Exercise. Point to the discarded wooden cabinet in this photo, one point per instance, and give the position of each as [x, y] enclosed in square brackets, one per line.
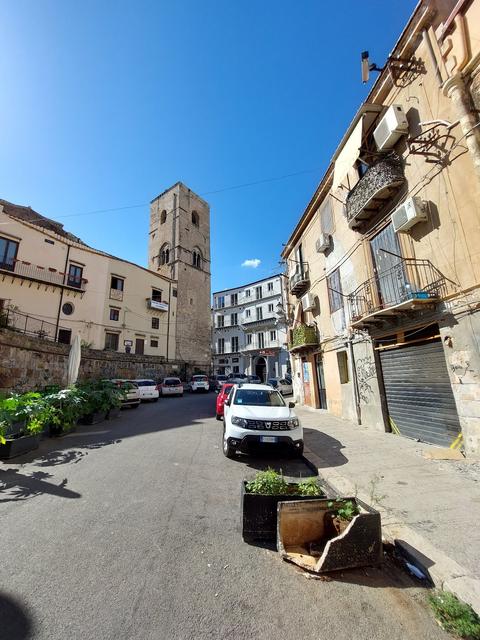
[306, 537]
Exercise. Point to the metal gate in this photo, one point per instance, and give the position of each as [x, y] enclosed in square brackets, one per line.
[419, 394]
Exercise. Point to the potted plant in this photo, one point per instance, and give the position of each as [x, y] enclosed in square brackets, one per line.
[22, 420]
[260, 497]
[101, 399]
[341, 514]
[67, 406]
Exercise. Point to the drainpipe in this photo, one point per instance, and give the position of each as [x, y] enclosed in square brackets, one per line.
[356, 392]
[456, 90]
[61, 294]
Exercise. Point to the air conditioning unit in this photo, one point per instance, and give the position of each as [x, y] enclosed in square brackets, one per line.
[408, 214]
[322, 243]
[391, 127]
[308, 302]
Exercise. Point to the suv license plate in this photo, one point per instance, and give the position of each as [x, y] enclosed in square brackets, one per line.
[268, 439]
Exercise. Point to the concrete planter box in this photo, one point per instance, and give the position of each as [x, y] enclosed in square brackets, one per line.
[18, 446]
[57, 430]
[306, 537]
[94, 418]
[259, 513]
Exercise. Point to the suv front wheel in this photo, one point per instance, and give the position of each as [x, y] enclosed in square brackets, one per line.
[228, 450]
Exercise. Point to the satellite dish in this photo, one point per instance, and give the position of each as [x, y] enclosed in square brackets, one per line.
[365, 67]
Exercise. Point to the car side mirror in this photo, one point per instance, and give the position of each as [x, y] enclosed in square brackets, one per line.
[291, 405]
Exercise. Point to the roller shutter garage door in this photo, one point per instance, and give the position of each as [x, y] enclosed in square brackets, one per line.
[419, 394]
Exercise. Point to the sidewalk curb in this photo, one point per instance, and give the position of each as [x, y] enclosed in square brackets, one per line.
[442, 570]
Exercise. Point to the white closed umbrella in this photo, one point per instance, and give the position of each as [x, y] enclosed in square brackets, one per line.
[74, 358]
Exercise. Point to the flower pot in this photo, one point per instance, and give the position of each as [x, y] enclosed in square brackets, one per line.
[93, 418]
[309, 536]
[259, 513]
[114, 412]
[18, 446]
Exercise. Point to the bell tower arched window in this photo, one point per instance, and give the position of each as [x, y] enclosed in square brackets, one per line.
[164, 255]
[195, 219]
[197, 259]
[163, 217]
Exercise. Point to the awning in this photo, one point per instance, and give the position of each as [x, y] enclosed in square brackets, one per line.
[348, 150]
[297, 318]
[348, 155]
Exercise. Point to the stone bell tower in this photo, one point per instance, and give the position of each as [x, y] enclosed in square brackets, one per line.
[179, 248]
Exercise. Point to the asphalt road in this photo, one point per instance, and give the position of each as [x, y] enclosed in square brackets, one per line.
[130, 530]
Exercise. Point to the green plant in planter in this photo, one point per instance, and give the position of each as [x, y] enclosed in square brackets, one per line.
[309, 487]
[100, 396]
[346, 511]
[67, 407]
[268, 483]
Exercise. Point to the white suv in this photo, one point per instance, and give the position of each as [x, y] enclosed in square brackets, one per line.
[200, 383]
[257, 414]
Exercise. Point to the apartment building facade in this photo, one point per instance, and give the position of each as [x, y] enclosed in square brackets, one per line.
[384, 263]
[249, 334]
[53, 285]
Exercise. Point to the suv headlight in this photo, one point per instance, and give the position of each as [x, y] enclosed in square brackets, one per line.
[240, 422]
[293, 423]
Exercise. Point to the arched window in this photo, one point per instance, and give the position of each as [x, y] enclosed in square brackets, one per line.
[163, 217]
[195, 218]
[197, 259]
[164, 255]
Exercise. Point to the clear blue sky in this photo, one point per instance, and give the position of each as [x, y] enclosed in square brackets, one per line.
[106, 103]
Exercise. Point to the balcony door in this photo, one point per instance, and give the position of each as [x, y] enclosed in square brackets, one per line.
[388, 267]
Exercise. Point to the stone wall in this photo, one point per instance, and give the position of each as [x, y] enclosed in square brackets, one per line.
[30, 363]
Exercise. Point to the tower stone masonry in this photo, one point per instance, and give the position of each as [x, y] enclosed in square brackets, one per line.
[179, 247]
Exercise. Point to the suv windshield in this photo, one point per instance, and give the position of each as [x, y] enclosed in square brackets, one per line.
[200, 378]
[259, 398]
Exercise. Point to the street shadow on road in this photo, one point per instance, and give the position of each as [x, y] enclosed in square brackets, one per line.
[15, 486]
[15, 620]
[289, 466]
[388, 575]
[148, 418]
[326, 448]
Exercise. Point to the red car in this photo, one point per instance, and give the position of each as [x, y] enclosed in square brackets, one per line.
[222, 396]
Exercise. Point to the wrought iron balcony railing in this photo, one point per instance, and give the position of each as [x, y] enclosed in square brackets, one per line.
[406, 285]
[300, 280]
[379, 183]
[30, 325]
[29, 271]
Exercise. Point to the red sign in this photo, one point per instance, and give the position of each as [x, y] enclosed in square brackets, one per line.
[264, 352]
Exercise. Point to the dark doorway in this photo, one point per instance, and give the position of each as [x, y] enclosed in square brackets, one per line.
[139, 346]
[261, 369]
[322, 392]
[64, 336]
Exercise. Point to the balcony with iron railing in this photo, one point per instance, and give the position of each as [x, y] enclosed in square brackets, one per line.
[19, 322]
[303, 337]
[408, 285]
[300, 280]
[379, 183]
[26, 270]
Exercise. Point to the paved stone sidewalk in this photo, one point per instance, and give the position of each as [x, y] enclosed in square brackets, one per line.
[431, 507]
